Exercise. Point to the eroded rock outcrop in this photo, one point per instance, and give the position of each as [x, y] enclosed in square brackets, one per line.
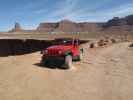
[115, 25]
[17, 28]
[68, 26]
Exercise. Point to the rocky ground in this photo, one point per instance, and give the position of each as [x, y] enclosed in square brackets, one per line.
[104, 74]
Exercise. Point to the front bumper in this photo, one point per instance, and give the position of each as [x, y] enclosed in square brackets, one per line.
[52, 58]
[59, 58]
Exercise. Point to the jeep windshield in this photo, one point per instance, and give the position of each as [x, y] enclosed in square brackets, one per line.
[65, 42]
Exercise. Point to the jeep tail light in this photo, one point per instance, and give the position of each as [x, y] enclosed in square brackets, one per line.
[45, 52]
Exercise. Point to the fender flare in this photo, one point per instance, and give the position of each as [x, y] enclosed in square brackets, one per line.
[68, 52]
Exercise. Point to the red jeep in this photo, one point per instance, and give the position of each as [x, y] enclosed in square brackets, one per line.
[66, 49]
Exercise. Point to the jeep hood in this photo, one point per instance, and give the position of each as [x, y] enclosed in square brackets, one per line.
[60, 47]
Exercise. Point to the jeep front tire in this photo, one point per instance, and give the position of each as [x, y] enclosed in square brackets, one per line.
[68, 62]
[44, 61]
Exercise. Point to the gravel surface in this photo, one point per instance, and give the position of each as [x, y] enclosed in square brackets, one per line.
[104, 74]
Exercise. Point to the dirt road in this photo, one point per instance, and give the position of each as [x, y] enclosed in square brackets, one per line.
[104, 74]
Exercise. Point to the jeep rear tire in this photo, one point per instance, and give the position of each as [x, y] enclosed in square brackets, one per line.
[68, 62]
[81, 56]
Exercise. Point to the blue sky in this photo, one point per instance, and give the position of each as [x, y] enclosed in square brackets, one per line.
[29, 13]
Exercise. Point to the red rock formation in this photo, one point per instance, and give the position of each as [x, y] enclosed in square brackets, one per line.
[116, 25]
[17, 28]
[47, 27]
[68, 26]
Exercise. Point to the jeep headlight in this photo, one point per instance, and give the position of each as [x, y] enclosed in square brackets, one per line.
[60, 52]
[46, 52]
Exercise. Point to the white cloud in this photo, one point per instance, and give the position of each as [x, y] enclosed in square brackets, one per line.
[68, 9]
[65, 8]
[122, 10]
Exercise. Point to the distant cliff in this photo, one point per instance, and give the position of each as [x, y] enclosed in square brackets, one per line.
[16, 28]
[115, 25]
[69, 26]
[116, 21]
[119, 25]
